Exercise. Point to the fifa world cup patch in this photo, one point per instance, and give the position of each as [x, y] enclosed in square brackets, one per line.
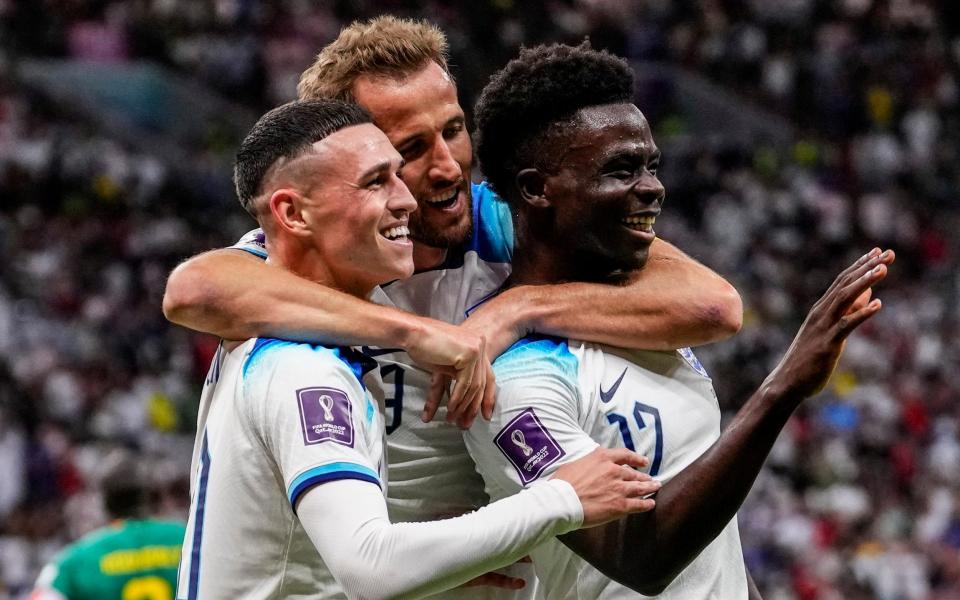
[326, 415]
[528, 445]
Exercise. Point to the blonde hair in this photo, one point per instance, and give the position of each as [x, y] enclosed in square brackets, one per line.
[384, 46]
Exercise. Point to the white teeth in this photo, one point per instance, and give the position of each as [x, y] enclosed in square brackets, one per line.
[396, 232]
[643, 223]
[446, 198]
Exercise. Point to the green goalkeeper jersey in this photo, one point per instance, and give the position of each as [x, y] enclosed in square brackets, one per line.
[128, 560]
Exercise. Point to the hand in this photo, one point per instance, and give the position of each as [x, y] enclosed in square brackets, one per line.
[452, 353]
[607, 486]
[496, 580]
[500, 321]
[813, 355]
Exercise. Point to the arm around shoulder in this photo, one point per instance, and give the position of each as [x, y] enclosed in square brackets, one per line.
[673, 302]
[206, 292]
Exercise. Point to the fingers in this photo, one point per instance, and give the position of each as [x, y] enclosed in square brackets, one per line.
[485, 399]
[461, 391]
[622, 456]
[497, 580]
[861, 301]
[642, 487]
[858, 264]
[639, 505]
[850, 322]
[489, 396]
[861, 280]
[438, 384]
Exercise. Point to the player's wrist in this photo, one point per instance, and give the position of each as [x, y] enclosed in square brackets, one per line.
[522, 309]
[408, 330]
[562, 497]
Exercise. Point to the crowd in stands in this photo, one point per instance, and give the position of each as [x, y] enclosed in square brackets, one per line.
[861, 497]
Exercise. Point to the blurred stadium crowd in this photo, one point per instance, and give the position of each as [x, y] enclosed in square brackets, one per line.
[861, 497]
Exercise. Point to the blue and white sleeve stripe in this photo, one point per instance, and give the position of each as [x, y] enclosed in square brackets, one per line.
[328, 472]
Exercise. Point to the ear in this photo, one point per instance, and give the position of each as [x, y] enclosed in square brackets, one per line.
[284, 206]
[530, 185]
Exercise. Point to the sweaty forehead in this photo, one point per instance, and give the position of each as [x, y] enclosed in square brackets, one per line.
[425, 99]
[345, 154]
[596, 132]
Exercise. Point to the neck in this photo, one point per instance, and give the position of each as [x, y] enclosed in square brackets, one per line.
[427, 257]
[539, 259]
[535, 264]
[304, 261]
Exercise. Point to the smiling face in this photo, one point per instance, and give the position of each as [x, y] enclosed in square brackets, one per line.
[423, 120]
[353, 209]
[603, 189]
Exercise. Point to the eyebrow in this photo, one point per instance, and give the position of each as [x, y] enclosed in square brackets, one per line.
[634, 151]
[455, 120]
[377, 168]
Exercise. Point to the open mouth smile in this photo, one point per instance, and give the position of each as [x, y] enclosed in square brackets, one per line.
[399, 233]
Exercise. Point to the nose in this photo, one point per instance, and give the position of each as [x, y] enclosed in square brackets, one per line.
[401, 200]
[443, 166]
[649, 189]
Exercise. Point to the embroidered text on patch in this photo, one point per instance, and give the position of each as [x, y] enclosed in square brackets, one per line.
[528, 445]
[326, 415]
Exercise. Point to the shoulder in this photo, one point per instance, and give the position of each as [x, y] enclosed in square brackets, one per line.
[273, 356]
[537, 355]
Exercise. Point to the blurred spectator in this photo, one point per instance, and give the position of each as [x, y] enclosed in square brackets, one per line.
[861, 496]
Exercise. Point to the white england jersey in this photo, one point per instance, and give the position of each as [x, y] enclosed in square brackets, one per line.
[431, 475]
[557, 401]
[276, 418]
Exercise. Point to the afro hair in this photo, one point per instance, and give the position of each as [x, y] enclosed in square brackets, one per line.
[533, 93]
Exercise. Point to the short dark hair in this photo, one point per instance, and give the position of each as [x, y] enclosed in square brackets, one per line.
[541, 88]
[126, 490]
[285, 132]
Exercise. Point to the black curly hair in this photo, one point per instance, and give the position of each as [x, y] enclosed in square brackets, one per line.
[535, 95]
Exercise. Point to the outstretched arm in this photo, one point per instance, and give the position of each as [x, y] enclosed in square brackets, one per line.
[235, 295]
[672, 302]
[347, 522]
[646, 552]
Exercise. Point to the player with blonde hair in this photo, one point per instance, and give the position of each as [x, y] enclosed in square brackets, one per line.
[463, 246]
[290, 478]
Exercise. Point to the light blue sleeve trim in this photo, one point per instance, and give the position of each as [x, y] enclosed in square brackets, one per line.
[252, 250]
[538, 355]
[493, 225]
[329, 472]
[253, 242]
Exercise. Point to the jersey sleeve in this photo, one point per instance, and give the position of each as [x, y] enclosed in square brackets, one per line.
[254, 242]
[312, 414]
[535, 428]
[54, 580]
[493, 225]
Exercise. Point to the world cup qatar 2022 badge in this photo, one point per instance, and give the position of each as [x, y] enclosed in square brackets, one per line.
[528, 445]
[326, 415]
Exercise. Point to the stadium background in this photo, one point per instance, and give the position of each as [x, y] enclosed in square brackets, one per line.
[797, 134]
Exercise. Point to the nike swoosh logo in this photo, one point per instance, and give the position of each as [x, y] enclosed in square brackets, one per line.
[607, 396]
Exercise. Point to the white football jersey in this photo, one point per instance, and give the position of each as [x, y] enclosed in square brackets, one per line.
[431, 475]
[558, 400]
[276, 418]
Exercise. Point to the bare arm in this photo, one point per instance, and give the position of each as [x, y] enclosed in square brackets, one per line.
[646, 552]
[672, 302]
[235, 295]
